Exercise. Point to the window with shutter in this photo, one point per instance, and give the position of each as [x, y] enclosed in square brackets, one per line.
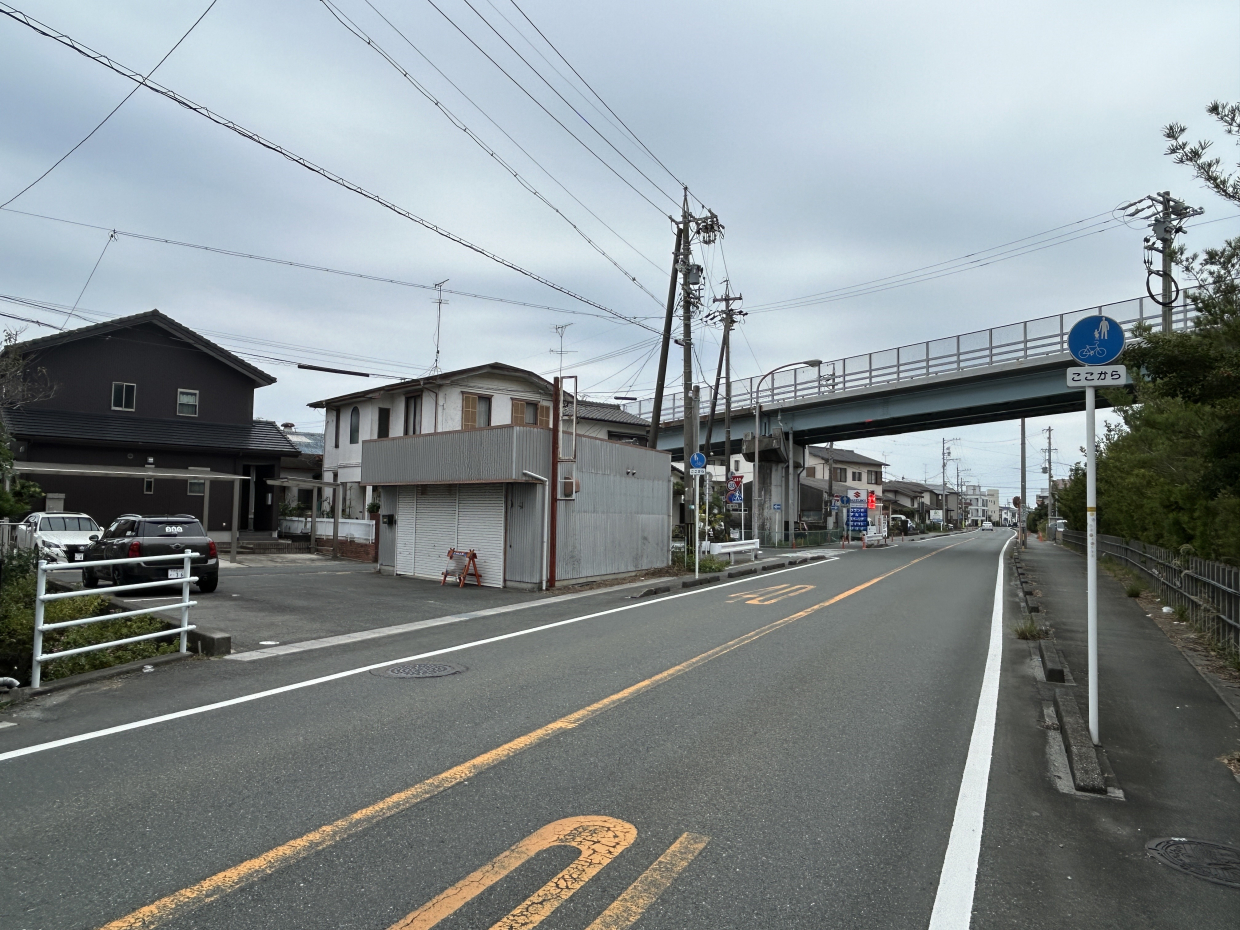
[811, 472]
[484, 411]
[469, 411]
[518, 412]
[544, 416]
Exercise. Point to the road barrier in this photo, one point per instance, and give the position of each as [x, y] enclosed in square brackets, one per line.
[1208, 591]
[41, 597]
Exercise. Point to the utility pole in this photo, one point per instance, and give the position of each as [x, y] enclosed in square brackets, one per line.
[439, 302]
[1166, 217]
[831, 483]
[1050, 478]
[652, 434]
[1024, 500]
[725, 360]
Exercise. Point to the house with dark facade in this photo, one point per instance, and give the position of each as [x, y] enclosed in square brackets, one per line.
[144, 391]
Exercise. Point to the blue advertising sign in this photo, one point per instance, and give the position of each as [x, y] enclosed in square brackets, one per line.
[1096, 340]
[857, 519]
[698, 460]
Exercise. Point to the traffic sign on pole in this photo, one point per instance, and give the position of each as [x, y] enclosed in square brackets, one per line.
[1094, 341]
[697, 460]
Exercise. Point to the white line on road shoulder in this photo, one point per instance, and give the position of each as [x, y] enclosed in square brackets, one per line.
[336, 676]
[953, 903]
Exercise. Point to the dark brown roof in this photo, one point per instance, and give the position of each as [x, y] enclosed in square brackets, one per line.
[146, 432]
[607, 413]
[156, 318]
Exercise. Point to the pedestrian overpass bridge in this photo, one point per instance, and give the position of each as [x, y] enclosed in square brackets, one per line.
[1002, 373]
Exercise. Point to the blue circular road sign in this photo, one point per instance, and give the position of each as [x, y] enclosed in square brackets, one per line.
[698, 460]
[1096, 340]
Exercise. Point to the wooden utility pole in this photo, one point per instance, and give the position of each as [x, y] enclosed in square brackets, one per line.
[652, 434]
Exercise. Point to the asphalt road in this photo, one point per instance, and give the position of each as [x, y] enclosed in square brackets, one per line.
[786, 750]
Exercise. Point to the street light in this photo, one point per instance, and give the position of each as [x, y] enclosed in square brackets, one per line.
[757, 416]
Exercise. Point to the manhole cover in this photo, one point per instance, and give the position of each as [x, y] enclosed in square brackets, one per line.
[1214, 863]
[419, 670]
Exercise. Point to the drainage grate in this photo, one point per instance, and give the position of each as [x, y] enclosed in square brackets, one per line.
[1214, 863]
[419, 670]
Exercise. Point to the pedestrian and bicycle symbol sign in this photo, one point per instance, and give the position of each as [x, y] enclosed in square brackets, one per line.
[1096, 340]
[697, 464]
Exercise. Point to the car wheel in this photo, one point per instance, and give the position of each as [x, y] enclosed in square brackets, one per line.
[89, 579]
[207, 585]
[118, 577]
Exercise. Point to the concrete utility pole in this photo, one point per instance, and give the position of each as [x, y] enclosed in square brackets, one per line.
[1166, 217]
[831, 482]
[1050, 478]
[652, 434]
[725, 362]
[1024, 499]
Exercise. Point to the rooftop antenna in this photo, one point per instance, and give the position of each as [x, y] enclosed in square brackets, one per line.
[559, 331]
[439, 302]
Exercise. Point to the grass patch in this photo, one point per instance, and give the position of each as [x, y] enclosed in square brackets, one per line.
[17, 629]
[1029, 629]
[1135, 589]
[682, 560]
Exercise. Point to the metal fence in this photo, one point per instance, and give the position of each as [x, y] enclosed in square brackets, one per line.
[1041, 337]
[41, 597]
[1208, 591]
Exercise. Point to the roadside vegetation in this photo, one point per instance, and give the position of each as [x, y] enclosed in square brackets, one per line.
[1029, 629]
[17, 628]
[1169, 474]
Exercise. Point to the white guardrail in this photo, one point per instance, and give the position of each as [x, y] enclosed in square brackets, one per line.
[41, 597]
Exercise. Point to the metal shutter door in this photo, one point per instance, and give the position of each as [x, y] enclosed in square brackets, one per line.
[434, 529]
[406, 513]
[480, 526]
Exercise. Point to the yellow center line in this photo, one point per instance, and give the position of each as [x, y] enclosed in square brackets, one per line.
[220, 884]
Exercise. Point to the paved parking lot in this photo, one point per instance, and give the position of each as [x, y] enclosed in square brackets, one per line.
[291, 599]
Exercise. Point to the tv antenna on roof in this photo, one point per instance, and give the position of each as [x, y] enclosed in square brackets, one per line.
[439, 302]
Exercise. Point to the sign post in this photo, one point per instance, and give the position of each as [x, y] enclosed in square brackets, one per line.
[697, 468]
[1094, 341]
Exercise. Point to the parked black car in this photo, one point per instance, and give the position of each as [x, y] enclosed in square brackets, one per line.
[132, 536]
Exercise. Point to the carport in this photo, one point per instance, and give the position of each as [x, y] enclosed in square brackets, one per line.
[137, 472]
[316, 487]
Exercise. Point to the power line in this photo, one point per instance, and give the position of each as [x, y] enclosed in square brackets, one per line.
[966, 262]
[232, 253]
[508, 136]
[112, 112]
[357, 32]
[551, 45]
[325, 173]
[540, 106]
[576, 112]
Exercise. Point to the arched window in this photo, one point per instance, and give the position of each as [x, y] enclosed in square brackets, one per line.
[355, 425]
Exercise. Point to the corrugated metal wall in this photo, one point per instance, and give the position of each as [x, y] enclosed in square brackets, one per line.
[525, 533]
[498, 453]
[406, 522]
[434, 529]
[388, 504]
[620, 520]
[480, 526]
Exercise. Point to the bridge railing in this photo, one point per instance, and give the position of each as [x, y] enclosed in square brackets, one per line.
[1029, 339]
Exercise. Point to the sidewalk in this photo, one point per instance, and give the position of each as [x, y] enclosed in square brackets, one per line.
[1162, 727]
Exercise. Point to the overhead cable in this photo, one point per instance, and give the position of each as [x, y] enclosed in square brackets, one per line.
[952, 266]
[112, 112]
[232, 253]
[329, 175]
[357, 32]
[487, 116]
[634, 135]
[540, 106]
[576, 112]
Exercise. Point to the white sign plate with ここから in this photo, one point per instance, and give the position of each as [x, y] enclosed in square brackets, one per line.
[1098, 376]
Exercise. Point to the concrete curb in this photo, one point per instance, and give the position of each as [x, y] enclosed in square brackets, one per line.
[661, 589]
[1082, 759]
[742, 572]
[1052, 662]
[773, 565]
[17, 695]
[697, 582]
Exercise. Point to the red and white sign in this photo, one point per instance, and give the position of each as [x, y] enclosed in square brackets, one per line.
[857, 498]
[736, 482]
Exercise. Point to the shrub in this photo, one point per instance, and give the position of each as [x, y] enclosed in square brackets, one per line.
[1029, 629]
[1135, 589]
[683, 560]
[17, 628]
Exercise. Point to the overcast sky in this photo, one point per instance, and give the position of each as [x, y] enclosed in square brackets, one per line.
[839, 143]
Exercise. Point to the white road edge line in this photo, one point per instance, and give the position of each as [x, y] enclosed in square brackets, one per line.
[953, 902]
[336, 676]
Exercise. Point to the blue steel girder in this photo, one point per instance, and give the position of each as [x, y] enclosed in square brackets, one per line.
[1006, 391]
